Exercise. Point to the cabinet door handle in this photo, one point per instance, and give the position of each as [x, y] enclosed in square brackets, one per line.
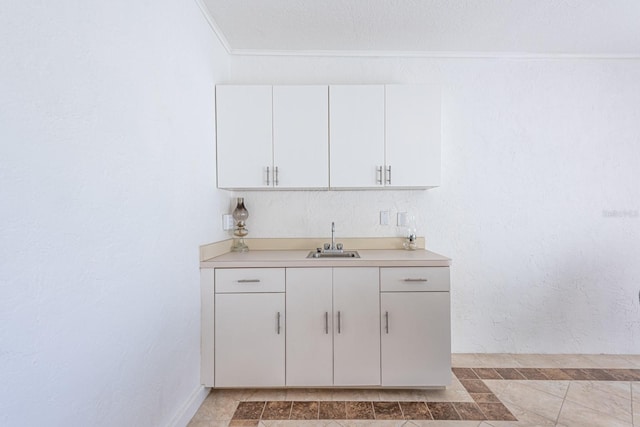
[388, 175]
[386, 322]
[278, 323]
[275, 176]
[415, 280]
[326, 322]
[379, 176]
[268, 183]
[339, 322]
[249, 281]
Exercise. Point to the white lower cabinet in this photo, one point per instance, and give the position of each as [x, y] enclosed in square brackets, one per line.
[249, 328]
[333, 332]
[416, 325]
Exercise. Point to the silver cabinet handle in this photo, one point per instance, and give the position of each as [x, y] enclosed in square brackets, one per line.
[379, 178]
[339, 322]
[275, 176]
[249, 281]
[278, 323]
[326, 322]
[268, 183]
[415, 280]
[386, 322]
[388, 175]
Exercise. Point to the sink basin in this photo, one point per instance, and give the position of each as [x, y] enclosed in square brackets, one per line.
[343, 254]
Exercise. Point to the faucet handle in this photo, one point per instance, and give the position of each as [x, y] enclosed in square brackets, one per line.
[339, 246]
[327, 246]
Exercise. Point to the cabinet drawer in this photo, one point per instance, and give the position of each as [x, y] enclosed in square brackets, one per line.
[414, 279]
[246, 280]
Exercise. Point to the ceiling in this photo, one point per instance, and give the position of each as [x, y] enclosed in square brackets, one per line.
[608, 28]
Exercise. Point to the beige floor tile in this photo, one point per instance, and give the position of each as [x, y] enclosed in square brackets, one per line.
[536, 360]
[635, 392]
[207, 423]
[573, 361]
[610, 361]
[497, 386]
[556, 388]
[531, 400]
[465, 360]
[426, 423]
[573, 414]
[216, 407]
[373, 423]
[357, 395]
[497, 360]
[609, 398]
[297, 423]
[634, 359]
[267, 394]
[525, 418]
[308, 394]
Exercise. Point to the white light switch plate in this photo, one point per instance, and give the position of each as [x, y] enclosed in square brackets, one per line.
[227, 222]
[402, 219]
[384, 217]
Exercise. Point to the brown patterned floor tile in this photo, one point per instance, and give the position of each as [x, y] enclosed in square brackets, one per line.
[464, 373]
[243, 423]
[578, 374]
[485, 398]
[496, 412]
[475, 386]
[387, 410]
[415, 411]
[277, 410]
[624, 374]
[443, 411]
[359, 410]
[469, 411]
[533, 374]
[599, 374]
[304, 411]
[510, 374]
[332, 411]
[249, 411]
[487, 374]
[555, 374]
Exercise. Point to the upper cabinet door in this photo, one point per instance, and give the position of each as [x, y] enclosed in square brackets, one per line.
[356, 117]
[244, 136]
[412, 136]
[301, 136]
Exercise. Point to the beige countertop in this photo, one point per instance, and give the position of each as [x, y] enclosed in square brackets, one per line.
[298, 258]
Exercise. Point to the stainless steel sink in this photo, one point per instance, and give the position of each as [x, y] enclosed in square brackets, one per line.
[343, 254]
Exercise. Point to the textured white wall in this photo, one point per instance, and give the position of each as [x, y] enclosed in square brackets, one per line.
[107, 165]
[533, 152]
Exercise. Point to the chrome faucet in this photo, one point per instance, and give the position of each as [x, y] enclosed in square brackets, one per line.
[333, 247]
[333, 238]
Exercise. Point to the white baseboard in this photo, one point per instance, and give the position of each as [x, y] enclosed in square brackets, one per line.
[189, 409]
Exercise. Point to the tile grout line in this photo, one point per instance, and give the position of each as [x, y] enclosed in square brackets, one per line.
[564, 399]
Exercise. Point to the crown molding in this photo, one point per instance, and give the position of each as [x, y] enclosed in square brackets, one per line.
[430, 54]
[214, 25]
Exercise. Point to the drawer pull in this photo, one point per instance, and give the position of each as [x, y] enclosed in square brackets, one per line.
[249, 281]
[339, 322]
[415, 280]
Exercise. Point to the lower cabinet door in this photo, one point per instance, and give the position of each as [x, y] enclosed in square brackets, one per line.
[416, 339]
[309, 327]
[250, 340]
[356, 315]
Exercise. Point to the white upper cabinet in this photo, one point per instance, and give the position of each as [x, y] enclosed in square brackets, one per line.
[301, 136]
[412, 135]
[272, 137]
[356, 136]
[244, 136]
[320, 137]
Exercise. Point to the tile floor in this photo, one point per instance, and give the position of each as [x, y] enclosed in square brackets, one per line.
[488, 390]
